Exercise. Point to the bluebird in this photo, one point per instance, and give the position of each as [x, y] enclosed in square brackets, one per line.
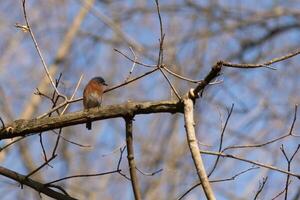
[92, 95]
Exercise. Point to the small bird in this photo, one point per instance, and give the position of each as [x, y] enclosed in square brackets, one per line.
[92, 95]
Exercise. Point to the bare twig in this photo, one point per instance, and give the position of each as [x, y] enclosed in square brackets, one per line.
[56, 143]
[221, 139]
[290, 133]
[162, 36]
[72, 142]
[114, 150]
[162, 66]
[41, 166]
[294, 120]
[119, 163]
[261, 187]
[43, 148]
[289, 162]
[266, 64]
[160, 58]
[281, 192]
[251, 162]
[121, 156]
[59, 188]
[216, 181]
[180, 76]
[82, 175]
[171, 85]
[149, 174]
[11, 143]
[134, 60]
[216, 69]
[54, 100]
[130, 157]
[39, 51]
[73, 95]
[38, 92]
[133, 64]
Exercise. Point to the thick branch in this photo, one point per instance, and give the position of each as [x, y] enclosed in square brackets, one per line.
[33, 126]
[214, 72]
[130, 157]
[194, 148]
[33, 184]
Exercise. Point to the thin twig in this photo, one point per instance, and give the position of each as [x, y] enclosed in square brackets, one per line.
[266, 64]
[82, 175]
[54, 100]
[221, 139]
[162, 36]
[290, 133]
[9, 144]
[114, 150]
[251, 162]
[289, 162]
[121, 156]
[72, 142]
[180, 76]
[160, 58]
[281, 192]
[38, 92]
[162, 66]
[39, 51]
[56, 143]
[43, 148]
[261, 187]
[130, 81]
[133, 60]
[149, 174]
[171, 85]
[216, 181]
[73, 95]
[40, 167]
[216, 69]
[133, 65]
[59, 188]
[294, 120]
[119, 163]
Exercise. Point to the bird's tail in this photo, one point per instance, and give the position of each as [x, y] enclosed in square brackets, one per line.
[89, 125]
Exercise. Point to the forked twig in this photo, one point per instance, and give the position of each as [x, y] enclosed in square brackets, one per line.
[39, 51]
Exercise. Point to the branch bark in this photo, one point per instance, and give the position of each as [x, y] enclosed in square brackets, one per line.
[33, 184]
[130, 157]
[27, 127]
[194, 148]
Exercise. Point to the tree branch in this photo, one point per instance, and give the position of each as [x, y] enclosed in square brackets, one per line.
[194, 148]
[33, 184]
[130, 157]
[33, 126]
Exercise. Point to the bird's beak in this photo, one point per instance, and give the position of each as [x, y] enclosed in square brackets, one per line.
[105, 84]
